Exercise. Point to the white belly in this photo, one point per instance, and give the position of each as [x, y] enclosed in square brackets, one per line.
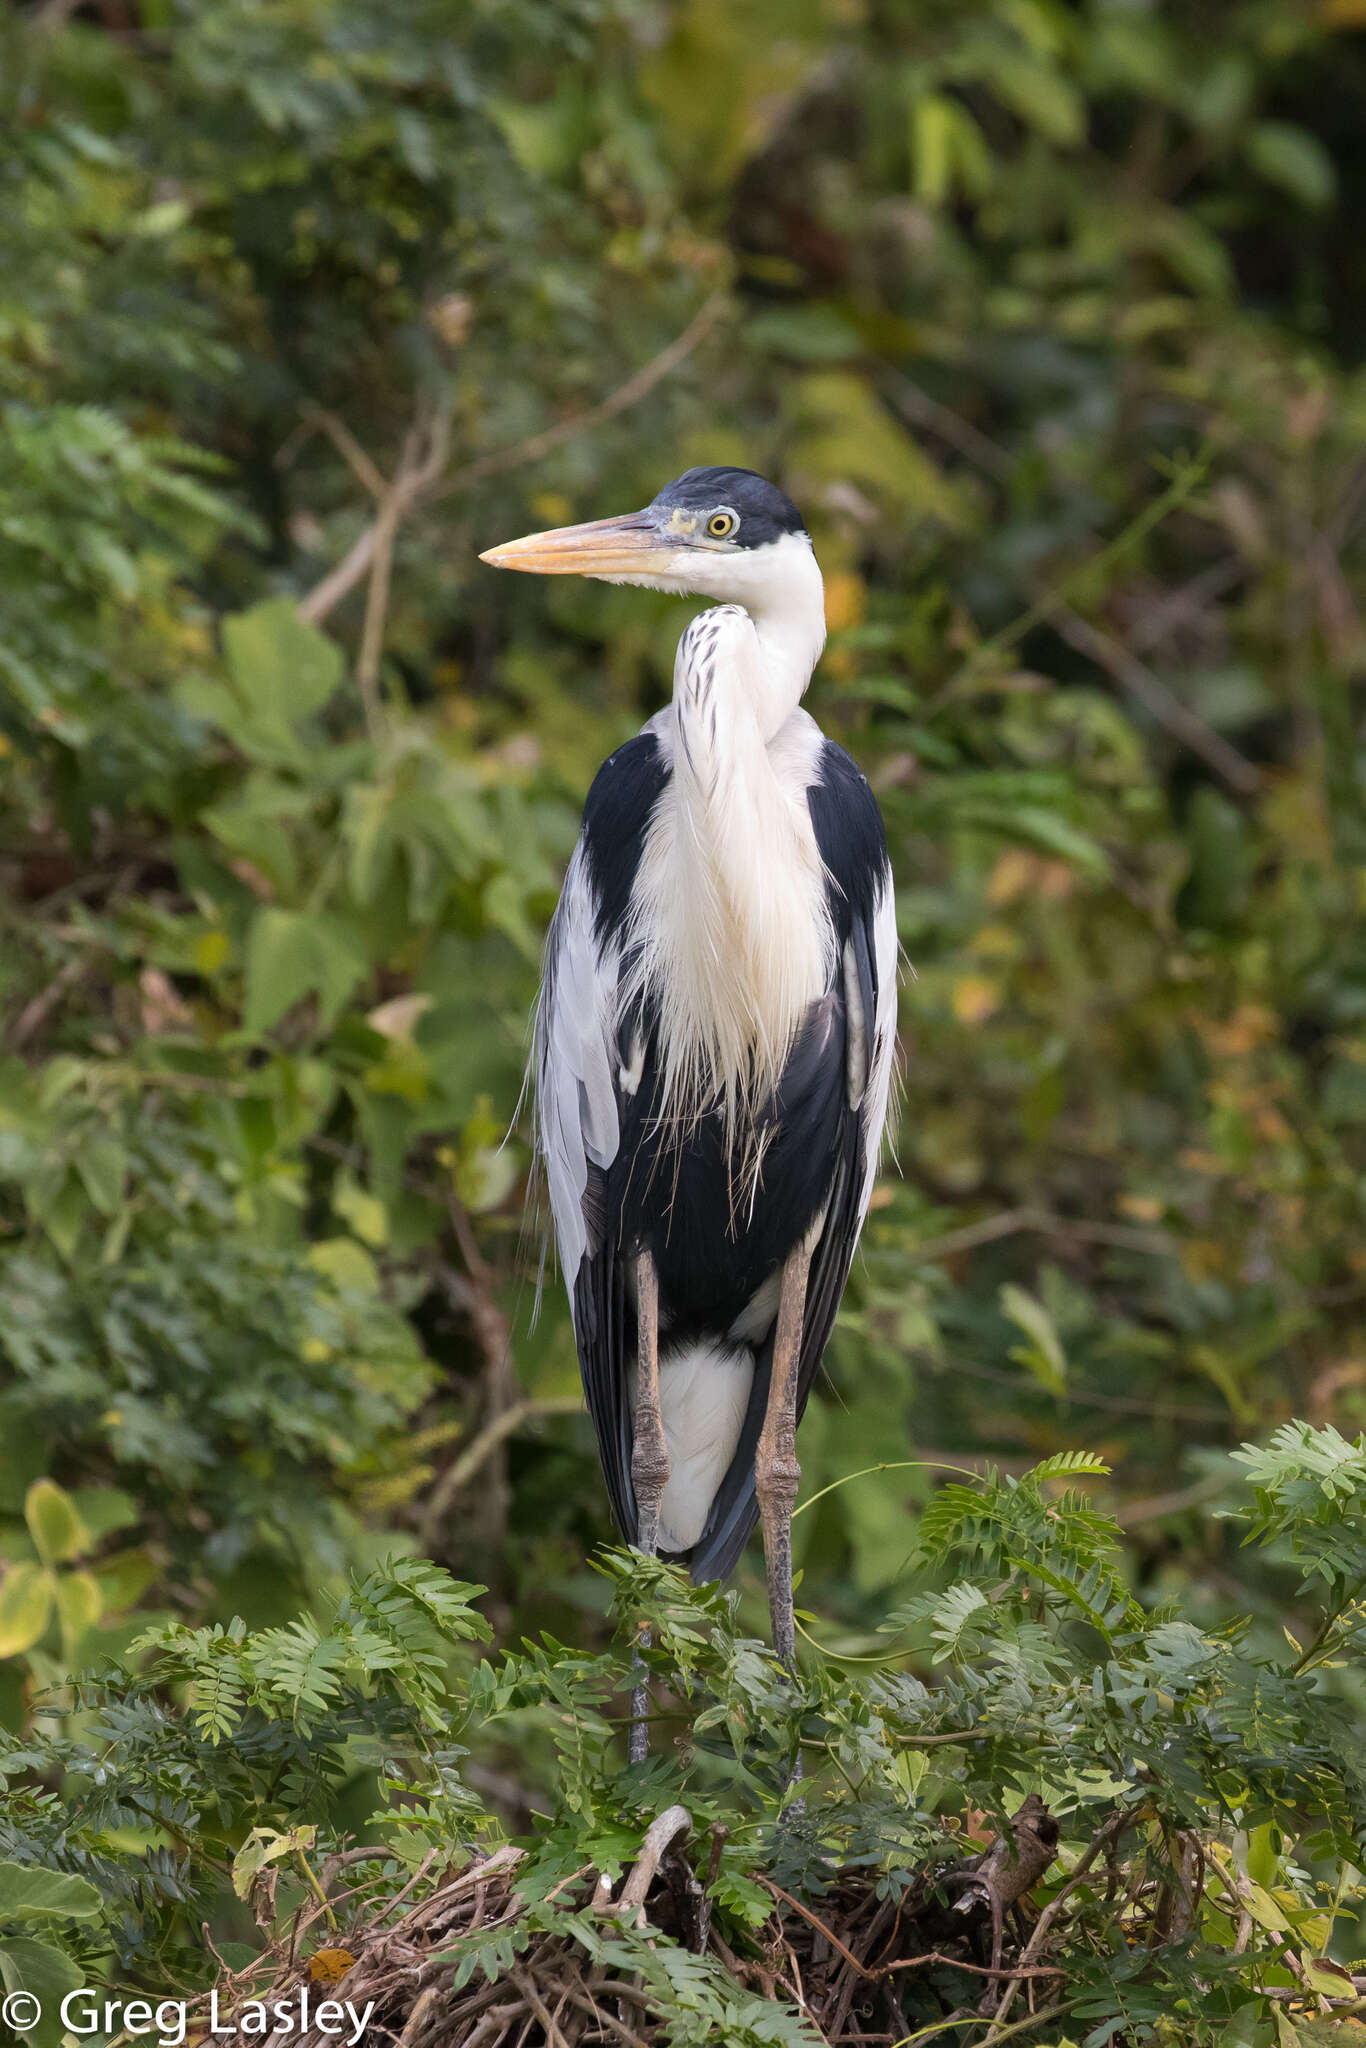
[703, 1395]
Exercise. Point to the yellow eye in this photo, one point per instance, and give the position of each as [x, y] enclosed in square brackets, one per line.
[722, 525]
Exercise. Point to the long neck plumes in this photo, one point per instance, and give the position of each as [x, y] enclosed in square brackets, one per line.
[733, 937]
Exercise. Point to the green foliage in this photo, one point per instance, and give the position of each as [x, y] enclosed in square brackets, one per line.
[1311, 1492]
[395, 1621]
[1049, 317]
[275, 887]
[1141, 1729]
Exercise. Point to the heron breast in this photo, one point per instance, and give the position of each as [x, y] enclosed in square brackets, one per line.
[731, 931]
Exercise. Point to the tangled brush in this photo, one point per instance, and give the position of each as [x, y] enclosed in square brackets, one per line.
[479, 1963]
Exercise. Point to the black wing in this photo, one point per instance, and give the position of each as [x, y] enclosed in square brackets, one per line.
[862, 1025]
[577, 1062]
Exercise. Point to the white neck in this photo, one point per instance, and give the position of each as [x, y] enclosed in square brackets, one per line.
[732, 929]
[780, 587]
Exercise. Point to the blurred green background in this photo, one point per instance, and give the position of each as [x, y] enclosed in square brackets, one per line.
[1049, 316]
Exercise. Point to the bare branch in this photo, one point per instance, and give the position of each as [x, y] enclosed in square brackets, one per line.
[660, 1836]
[36, 1012]
[1107, 1833]
[489, 1439]
[921, 410]
[347, 446]
[52, 15]
[326, 595]
[1011, 1222]
[1161, 703]
[621, 400]
[1118, 661]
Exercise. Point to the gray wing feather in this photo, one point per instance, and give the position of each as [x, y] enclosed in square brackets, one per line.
[882, 1051]
[575, 1059]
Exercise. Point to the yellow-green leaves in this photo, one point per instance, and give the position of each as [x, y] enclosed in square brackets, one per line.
[290, 955]
[263, 1847]
[58, 1585]
[26, 1594]
[949, 154]
[281, 671]
[31, 1593]
[57, 1530]
[842, 433]
[1042, 1353]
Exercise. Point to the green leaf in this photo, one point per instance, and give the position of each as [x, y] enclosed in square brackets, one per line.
[102, 1164]
[367, 830]
[1042, 98]
[806, 334]
[28, 1892]
[47, 1974]
[948, 151]
[264, 1846]
[26, 1595]
[80, 1604]
[291, 955]
[347, 1264]
[124, 1578]
[1046, 830]
[364, 1212]
[1295, 160]
[103, 1509]
[1263, 1853]
[283, 667]
[1067, 1464]
[1043, 1355]
[56, 1528]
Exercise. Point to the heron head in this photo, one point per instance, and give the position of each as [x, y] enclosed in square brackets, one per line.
[721, 533]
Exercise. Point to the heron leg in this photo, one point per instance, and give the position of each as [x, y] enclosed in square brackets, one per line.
[776, 1471]
[649, 1462]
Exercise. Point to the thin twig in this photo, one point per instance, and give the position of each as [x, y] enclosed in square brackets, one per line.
[52, 15]
[1119, 662]
[923, 411]
[660, 1836]
[326, 595]
[1152, 628]
[1114, 1404]
[1033, 2019]
[425, 450]
[377, 610]
[1174, 1503]
[35, 1013]
[602, 2019]
[812, 1921]
[1157, 700]
[423, 1867]
[554, 2038]
[1010, 1222]
[1103, 1836]
[491, 1326]
[474, 1455]
[344, 441]
[636, 387]
[975, 1969]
